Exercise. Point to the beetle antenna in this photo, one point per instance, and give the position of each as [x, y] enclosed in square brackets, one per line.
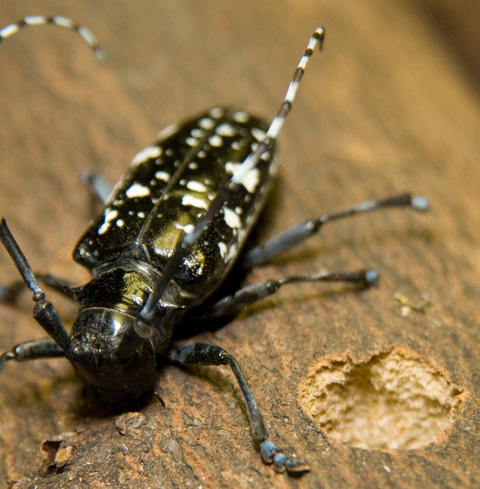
[34, 20]
[185, 246]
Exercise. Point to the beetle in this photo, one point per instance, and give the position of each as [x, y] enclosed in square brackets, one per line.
[169, 234]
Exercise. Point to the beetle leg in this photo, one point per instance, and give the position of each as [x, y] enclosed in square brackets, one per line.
[202, 354]
[59, 284]
[295, 235]
[98, 186]
[231, 305]
[43, 312]
[32, 350]
[9, 293]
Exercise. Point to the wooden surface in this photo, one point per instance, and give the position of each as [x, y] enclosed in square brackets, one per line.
[387, 107]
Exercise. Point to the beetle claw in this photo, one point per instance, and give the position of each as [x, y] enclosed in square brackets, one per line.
[271, 454]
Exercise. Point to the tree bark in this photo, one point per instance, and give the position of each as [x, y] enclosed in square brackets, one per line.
[388, 106]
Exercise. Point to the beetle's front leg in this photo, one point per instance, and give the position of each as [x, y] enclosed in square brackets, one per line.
[43, 312]
[32, 350]
[202, 354]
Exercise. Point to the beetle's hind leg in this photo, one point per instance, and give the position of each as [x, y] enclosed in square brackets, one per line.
[202, 354]
[296, 234]
[231, 305]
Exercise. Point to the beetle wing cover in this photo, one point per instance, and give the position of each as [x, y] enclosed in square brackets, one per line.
[170, 185]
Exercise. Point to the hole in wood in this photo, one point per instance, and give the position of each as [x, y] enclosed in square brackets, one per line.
[393, 399]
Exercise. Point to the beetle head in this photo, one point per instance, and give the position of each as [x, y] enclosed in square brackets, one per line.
[114, 362]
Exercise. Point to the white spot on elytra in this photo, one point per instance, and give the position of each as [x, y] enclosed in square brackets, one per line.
[216, 112]
[197, 133]
[231, 218]
[250, 180]
[223, 249]
[240, 116]
[202, 154]
[206, 123]
[120, 223]
[110, 214]
[226, 129]
[232, 252]
[272, 170]
[188, 228]
[103, 228]
[137, 190]
[146, 154]
[216, 141]
[168, 131]
[238, 210]
[162, 175]
[236, 145]
[193, 165]
[258, 134]
[196, 186]
[190, 200]
[191, 141]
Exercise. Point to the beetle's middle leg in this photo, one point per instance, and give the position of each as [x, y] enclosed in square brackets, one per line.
[296, 234]
[100, 190]
[9, 293]
[202, 354]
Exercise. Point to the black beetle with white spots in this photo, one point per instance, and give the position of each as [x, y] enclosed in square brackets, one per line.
[168, 235]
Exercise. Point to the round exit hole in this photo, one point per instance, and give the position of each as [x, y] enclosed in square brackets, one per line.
[394, 399]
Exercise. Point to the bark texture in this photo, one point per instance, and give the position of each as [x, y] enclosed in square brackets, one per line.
[392, 104]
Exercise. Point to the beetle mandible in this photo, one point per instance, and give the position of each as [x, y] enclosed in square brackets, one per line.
[168, 235]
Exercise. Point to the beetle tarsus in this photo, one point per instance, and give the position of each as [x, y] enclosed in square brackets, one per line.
[271, 454]
[203, 354]
[8, 355]
[420, 203]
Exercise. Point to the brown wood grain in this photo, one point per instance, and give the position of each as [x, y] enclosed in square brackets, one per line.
[385, 108]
